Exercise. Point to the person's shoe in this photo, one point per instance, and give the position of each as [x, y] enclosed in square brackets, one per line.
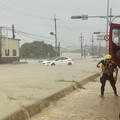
[116, 94]
[101, 95]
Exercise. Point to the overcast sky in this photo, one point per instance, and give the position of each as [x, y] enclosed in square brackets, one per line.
[36, 17]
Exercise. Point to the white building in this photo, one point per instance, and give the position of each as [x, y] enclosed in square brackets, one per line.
[9, 50]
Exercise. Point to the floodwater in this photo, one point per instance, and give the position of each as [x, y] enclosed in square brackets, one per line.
[23, 84]
[85, 104]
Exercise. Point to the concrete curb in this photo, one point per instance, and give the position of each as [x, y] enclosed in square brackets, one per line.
[26, 112]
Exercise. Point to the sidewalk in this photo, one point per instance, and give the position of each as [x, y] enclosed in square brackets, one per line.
[22, 85]
[85, 104]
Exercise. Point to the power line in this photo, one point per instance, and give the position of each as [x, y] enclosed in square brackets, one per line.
[16, 11]
[39, 37]
[29, 35]
[67, 29]
[36, 37]
[26, 33]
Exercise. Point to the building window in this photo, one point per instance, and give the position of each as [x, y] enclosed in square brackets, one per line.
[7, 52]
[14, 52]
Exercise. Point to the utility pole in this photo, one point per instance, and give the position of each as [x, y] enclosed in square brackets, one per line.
[107, 32]
[55, 34]
[81, 41]
[59, 49]
[84, 51]
[56, 46]
[13, 32]
[99, 52]
[107, 16]
[92, 45]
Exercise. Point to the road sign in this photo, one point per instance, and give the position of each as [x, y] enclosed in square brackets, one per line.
[97, 32]
[100, 37]
[106, 37]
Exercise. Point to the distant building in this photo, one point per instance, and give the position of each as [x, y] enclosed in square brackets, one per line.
[9, 50]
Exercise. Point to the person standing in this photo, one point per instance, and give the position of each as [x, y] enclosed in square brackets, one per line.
[108, 68]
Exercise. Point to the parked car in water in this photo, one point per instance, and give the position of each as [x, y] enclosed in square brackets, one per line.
[58, 61]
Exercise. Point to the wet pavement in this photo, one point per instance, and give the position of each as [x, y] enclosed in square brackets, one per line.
[23, 84]
[85, 104]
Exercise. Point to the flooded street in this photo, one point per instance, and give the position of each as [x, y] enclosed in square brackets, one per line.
[78, 34]
[23, 84]
[85, 104]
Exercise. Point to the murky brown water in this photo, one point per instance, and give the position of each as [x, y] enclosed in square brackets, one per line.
[84, 104]
[23, 84]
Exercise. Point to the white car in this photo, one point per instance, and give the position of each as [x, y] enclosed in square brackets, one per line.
[58, 61]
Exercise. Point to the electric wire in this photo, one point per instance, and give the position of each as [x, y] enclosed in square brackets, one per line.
[38, 37]
[9, 9]
[34, 37]
[67, 29]
[26, 33]
[16, 11]
[29, 35]
[21, 37]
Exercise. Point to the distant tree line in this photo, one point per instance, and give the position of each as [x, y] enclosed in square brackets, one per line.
[36, 49]
[91, 50]
[39, 49]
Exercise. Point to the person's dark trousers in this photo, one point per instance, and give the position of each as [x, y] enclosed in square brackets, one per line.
[103, 80]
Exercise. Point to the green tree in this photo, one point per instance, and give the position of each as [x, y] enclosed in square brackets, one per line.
[36, 49]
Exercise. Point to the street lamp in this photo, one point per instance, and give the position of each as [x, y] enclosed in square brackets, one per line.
[83, 17]
[55, 34]
[52, 33]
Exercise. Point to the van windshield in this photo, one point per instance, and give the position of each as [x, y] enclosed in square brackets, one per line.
[116, 36]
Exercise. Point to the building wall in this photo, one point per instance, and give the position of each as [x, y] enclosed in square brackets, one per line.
[10, 50]
[7, 60]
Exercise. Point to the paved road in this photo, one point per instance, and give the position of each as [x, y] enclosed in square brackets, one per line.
[85, 104]
[23, 84]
